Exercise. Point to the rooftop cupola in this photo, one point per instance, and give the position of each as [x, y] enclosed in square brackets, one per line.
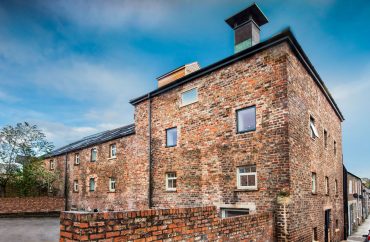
[246, 25]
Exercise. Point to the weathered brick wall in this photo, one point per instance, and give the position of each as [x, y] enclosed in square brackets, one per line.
[185, 224]
[309, 155]
[11, 205]
[209, 148]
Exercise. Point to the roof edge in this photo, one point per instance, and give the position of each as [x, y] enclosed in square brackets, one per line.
[285, 35]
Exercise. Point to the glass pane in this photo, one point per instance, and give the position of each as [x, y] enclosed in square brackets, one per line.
[93, 154]
[243, 180]
[242, 170]
[233, 213]
[92, 184]
[172, 137]
[247, 119]
[189, 96]
[174, 183]
[253, 168]
[251, 180]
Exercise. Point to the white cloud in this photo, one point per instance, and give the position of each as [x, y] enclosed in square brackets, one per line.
[111, 14]
[5, 97]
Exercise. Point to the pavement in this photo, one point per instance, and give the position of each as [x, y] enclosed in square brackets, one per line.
[361, 230]
[43, 229]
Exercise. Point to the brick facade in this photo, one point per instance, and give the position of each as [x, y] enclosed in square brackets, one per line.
[181, 224]
[16, 205]
[209, 150]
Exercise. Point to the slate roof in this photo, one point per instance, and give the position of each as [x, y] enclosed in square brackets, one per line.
[95, 139]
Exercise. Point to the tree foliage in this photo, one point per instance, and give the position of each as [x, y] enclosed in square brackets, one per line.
[21, 150]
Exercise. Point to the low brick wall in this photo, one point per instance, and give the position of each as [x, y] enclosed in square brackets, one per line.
[22, 205]
[189, 224]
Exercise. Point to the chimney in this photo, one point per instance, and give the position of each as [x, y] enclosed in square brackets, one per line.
[177, 73]
[246, 25]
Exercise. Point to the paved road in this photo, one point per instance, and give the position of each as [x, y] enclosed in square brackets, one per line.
[361, 230]
[44, 229]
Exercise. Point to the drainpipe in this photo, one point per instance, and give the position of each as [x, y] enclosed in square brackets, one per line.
[150, 188]
[66, 183]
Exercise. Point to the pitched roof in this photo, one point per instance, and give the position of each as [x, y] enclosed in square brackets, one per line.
[95, 139]
[284, 36]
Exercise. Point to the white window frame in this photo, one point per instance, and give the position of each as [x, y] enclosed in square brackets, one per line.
[77, 158]
[92, 190]
[314, 182]
[111, 148]
[189, 90]
[239, 186]
[112, 184]
[52, 164]
[350, 187]
[314, 133]
[75, 185]
[225, 210]
[96, 156]
[171, 178]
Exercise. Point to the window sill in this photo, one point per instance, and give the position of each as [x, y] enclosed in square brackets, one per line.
[314, 193]
[75, 191]
[246, 131]
[170, 146]
[112, 158]
[111, 191]
[171, 191]
[246, 190]
[76, 164]
[184, 105]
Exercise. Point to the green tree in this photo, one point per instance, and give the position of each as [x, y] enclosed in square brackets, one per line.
[21, 150]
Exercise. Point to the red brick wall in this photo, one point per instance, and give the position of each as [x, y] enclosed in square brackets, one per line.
[309, 155]
[201, 223]
[31, 204]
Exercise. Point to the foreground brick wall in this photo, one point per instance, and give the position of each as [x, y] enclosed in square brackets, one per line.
[10, 205]
[200, 224]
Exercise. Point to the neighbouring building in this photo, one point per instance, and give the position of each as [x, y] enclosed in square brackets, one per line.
[354, 207]
[255, 132]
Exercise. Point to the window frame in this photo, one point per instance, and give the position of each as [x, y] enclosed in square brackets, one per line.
[327, 189]
[237, 119]
[77, 158]
[171, 189]
[75, 186]
[189, 90]
[335, 147]
[92, 179]
[314, 134]
[169, 146]
[112, 180]
[326, 139]
[91, 154]
[52, 164]
[111, 150]
[225, 210]
[350, 187]
[238, 176]
[314, 183]
[336, 187]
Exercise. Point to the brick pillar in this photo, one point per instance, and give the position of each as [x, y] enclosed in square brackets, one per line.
[282, 217]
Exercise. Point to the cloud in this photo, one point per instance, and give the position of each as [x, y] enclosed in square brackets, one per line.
[110, 14]
[5, 97]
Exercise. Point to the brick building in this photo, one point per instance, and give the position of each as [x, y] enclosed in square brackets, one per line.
[255, 132]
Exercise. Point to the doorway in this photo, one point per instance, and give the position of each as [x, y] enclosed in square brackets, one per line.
[327, 226]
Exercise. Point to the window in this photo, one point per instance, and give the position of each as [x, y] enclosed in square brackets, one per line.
[92, 184]
[75, 185]
[171, 137]
[113, 151]
[77, 159]
[325, 139]
[314, 234]
[93, 154]
[232, 212]
[326, 185]
[350, 187]
[246, 119]
[314, 134]
[336, 224]
[52, 164]
[171, 181]
[314, 183]
[247, 177]
[112, 184]
[335, 147]
[190, 96]
[336, 186]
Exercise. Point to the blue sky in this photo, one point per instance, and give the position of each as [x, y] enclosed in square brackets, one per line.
[72, 66]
